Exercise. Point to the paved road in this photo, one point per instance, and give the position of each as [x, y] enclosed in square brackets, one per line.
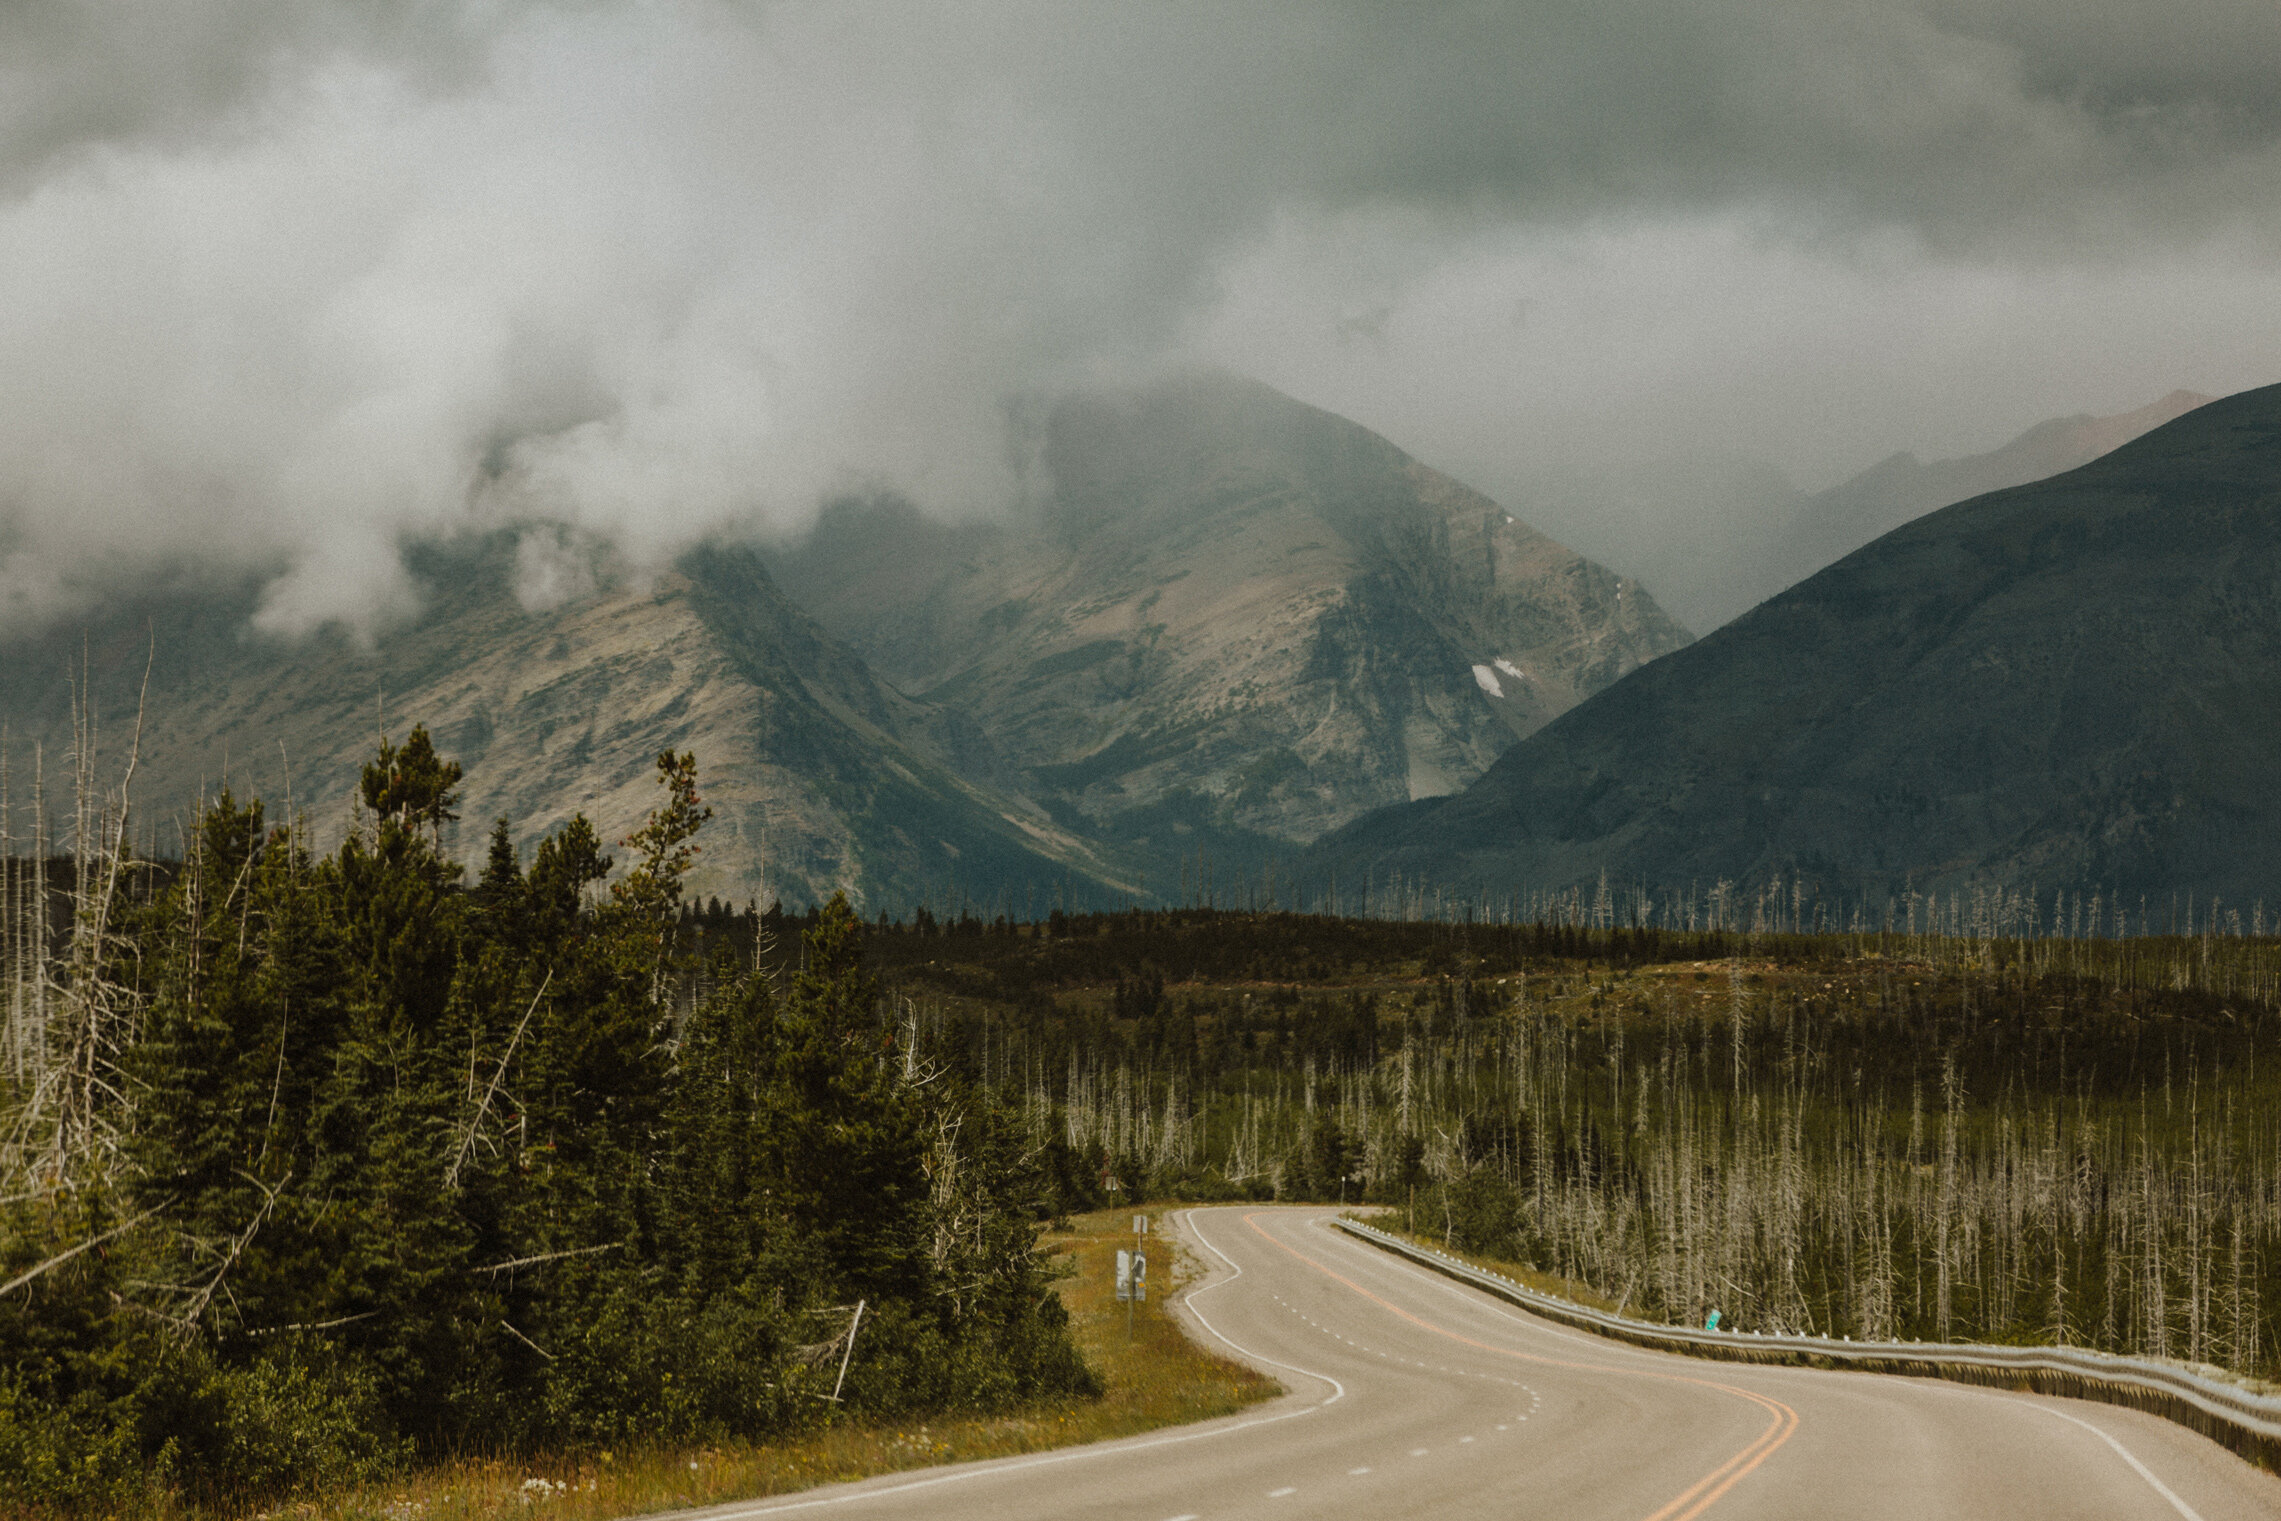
[1413, 1396]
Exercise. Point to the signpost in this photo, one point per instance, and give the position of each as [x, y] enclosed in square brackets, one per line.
[1132, 1273]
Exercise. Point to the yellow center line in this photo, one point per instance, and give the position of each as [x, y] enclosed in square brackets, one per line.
[1690, 1502]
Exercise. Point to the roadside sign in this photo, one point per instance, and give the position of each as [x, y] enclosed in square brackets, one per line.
[1140, 1225]
[1124, 1275]
[1140, 1277]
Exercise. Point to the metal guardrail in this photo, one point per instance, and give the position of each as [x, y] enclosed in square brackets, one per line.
[2246, 1423]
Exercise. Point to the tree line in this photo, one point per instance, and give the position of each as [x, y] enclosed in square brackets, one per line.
[315, 1164]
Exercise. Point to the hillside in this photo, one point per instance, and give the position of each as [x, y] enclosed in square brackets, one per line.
[1234, 622]
[820, 776]
[2067, 684]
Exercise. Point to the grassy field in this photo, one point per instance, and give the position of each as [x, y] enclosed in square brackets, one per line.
[1159, 1377]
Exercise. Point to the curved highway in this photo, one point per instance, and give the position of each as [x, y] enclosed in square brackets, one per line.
[1414, 1396]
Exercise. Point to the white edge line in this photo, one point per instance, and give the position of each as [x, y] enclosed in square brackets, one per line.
[2129, 1457]
[1072, 1454]
[2047, 1404]
[2187, 1512]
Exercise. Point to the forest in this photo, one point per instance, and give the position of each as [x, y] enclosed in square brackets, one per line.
[1959, 1133]
[313, 1166]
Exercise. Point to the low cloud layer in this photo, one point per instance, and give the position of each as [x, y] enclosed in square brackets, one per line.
[291, 281]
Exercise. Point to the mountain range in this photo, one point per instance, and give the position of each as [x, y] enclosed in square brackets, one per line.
[1229, 632]
[819, 774]
[2069, 684]
[1230, 623]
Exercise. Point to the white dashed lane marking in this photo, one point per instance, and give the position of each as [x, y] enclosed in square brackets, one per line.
[1511, 1383]
[1288, 1489]
[1536, 1400]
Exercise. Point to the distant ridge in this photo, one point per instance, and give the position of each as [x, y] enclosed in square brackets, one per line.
[1717, 534]
[2070, 683]
[1832, 524]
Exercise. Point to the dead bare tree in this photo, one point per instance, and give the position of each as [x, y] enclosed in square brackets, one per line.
[75, 1104]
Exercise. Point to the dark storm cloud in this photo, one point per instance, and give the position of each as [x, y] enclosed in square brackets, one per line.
[293, 279]
[77, 75]
[1967, 122]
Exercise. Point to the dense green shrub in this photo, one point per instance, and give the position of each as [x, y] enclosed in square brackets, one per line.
[63, 1454]
[263, 1427]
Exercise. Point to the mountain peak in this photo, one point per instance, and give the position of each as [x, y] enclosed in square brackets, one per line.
[1243, 616]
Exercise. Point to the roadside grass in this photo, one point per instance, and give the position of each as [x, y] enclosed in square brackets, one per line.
[1395, 1223]
[1157, 1378]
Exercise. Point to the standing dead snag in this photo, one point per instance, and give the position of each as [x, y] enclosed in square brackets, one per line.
[475, 1124]
[74, 1106]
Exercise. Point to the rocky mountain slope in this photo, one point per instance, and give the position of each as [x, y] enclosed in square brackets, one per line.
[1233, 623]
[820, 775]
[2068, 684]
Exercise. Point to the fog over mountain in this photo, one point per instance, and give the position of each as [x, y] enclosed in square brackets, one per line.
[294, 282]
[1237, 622]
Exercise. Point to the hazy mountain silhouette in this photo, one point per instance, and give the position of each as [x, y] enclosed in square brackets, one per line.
[1715, 535]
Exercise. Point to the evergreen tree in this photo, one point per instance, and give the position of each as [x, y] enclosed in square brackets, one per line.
[417, 1163]
[410, 785]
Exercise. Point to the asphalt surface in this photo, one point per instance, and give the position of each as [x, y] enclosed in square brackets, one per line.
[1414, 1396]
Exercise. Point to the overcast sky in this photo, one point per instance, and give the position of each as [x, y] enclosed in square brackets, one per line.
[287, 280]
